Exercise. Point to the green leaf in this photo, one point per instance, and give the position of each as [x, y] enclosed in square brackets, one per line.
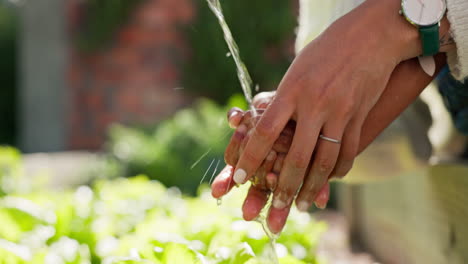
[242, 254]
[237, 100]
[178, 253]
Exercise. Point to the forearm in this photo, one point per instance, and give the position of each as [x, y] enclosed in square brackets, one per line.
[407, 82]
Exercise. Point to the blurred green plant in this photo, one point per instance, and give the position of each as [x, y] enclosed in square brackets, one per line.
[181, 150]
[135, 220]
[8, 71]
[10, 169]
[264, 31]
[102, 18]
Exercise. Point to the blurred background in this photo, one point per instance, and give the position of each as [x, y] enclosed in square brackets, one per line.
[73, 68]
[146, 81]
[113, 123]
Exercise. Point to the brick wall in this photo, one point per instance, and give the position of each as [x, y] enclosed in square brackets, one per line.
[136, 80]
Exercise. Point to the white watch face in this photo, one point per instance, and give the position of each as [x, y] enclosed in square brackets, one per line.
[424, 12]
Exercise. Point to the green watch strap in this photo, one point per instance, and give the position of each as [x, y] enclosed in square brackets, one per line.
[430, 39]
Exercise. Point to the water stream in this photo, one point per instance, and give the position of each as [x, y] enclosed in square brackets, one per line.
[269, 254]
[242, 72]
[247, 86]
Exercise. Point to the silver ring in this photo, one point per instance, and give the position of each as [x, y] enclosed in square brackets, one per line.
[330, 139]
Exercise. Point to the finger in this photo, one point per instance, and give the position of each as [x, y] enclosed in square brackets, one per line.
[231, 155]
[223, 183]
[323, 196]
[296, 162]
[279, 163]
[259, 179]
[323, 162]
[272, 178]
[235, 115]
[254, 202]
[271, 181]
[264, 135]
[262, 100]
[348, 151]
[277, 218]
[284, 141]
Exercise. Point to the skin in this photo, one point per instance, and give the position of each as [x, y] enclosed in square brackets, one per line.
[394, 100]
[339, 86]
[265, 179]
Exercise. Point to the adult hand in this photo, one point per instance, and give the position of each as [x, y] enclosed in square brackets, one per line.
[265, 178]
[406, 83]
[329, 89]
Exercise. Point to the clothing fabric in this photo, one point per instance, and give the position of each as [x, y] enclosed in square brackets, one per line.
[457, 14]
[455, 95]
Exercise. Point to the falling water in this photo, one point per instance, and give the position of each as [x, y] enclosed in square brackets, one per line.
[270, 251]
[247, 85]
[242, 72]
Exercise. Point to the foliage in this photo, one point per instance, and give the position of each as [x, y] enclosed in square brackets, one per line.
[8, 39]
[263, 29]
[101, 21]
[10, 169]
[135, 220]
[170, 152]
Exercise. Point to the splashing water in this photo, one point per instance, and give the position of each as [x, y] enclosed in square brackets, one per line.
[242, 72]
[206, 172]
[247, 85]
[270, 251]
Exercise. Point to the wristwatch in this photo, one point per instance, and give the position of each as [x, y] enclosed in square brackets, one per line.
[426, 16]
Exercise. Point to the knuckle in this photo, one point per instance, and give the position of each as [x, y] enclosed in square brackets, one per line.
[282, 144]
[251, 157]
[263, 130]
[278, 163]
[299, 160]
[247, 117]
[324, 166]
[347, 108]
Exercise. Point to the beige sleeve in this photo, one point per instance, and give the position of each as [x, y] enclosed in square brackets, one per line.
[457, 14]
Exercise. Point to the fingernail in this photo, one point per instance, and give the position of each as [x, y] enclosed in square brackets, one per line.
[303, 206]
[278, 204]
[231, 116]
[239, 176]
[321, 206]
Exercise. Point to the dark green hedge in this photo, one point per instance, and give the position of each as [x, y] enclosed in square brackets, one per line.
[8, 38]
[263, 29]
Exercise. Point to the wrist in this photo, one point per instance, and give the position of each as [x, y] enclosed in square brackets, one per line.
[401, 37]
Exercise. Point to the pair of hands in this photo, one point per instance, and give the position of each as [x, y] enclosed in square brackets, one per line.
[330, 89]
[265, 179]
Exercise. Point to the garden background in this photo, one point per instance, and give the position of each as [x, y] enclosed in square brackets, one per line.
[112, 113]
[113, 123]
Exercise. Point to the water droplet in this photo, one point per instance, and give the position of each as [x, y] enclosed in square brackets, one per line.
[219, 201]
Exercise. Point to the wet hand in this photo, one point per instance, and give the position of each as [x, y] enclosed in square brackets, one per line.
[329, 90]
[265, 178]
